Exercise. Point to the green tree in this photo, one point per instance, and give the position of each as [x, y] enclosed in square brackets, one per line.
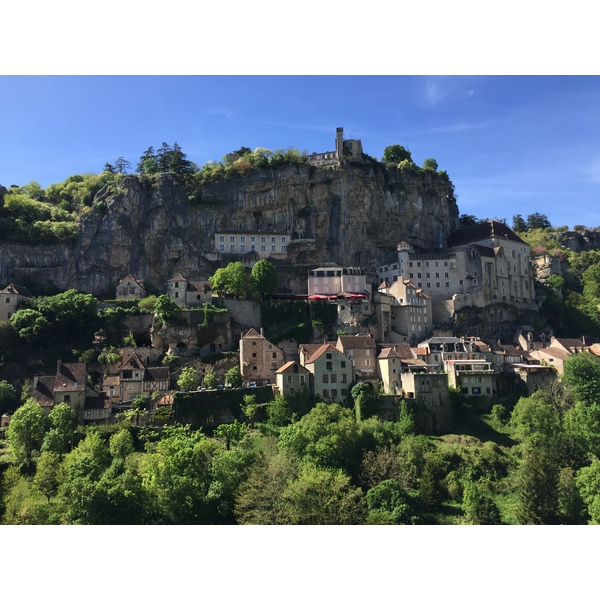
[250, 407]
[395, 154]
[7, 395]
[188, 379]
[233, 279]
[31, 325]
[234, 377]
[430, 164]
[390, 504]
[167, 311]
[582, 377]
[278, 411]
[537, 488]
[231, 432]
[147, 163]
[263, 278]
[322, 497]
[519, 225]
[538, 221]
[121, 444]
[46, 477]
[210, 379]
[26, 430]
[62, 426]
[588, 484]
[478, 508]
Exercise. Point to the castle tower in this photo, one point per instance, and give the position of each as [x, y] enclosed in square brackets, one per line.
[403, 249]
[339, 142]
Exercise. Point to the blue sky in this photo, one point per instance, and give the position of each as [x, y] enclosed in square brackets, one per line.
[510, 144]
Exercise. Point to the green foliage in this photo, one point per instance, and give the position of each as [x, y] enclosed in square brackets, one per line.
[518, 224]
[167, 311]
[210, 379]
[538, 221]
[390, 504]
[232, 432]
[31, 325]
[129, 340]
[148, 303]
[279, 411]
[26, 430]
[188, 379]
[47, 477]
[263, 278]
[233, 280]
[430, 164]
[121, 444]
[588, 485]
[8, 395]
[582, 377]
[478, 508]
[396, 154]
[62, 426]
[234, 377]
[250, 407]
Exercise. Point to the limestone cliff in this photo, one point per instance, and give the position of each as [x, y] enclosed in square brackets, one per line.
[353, 214]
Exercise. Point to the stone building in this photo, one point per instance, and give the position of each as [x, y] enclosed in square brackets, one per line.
[410, 312]
[332, 373]
[292, 377]
[362, 351]
[10, 299]
[344, 150]
[130, 288]
[185, 292]
[264, 244]
[481, 265]
[259, 358]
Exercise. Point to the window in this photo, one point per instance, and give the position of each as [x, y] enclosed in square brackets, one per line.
[221, 238]
[328, 355]
[301, 378]
[242, 238]
[476, 391]
[252, 248]
[283, 248]
[126, 375]
[232, 238]
[7, 300]
[343, 364]
[254, 355]
[325, 393]
[232, 247]
[263, 248]
[273, 248]
[333, 392]
[243, 248]
[325, 378]
[344, 378]
[273, 240]
[333, 378]
[329, 365]
[67, 397]
[252, 238]
[283, 239]
[263, 238]
[222, 247]
[274, 354]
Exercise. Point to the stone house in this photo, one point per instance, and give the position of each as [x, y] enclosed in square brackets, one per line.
[134, 378]
[530, 339]
[185, 292]
[350, 282]
[332, 373]
[259, 358]
[411, 310]
[4, 420]
[68, 385]
[430, 390]
[533, 377]
[551, 356]
[389, 369]
[292, 377]
[474, 377]
[130, 288]
[10, 299]
[362, 351]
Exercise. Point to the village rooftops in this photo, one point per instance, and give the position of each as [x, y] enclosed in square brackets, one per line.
[13, 288]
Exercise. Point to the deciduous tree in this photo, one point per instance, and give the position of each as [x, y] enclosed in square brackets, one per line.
[26, 430]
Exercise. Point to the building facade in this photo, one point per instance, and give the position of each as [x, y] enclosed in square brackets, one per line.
[259, 358]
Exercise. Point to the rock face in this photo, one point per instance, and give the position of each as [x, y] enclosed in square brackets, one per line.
[353, 214]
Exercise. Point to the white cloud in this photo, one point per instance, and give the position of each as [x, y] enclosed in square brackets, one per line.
[220, 111]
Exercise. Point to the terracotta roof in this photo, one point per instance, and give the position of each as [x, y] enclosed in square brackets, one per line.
[388, 353]
[553, 352]
[178, 277]
[322, 349]
[420, 351]
[285, 367]
[166, 400]
[113, 380]
[13, 288]
[570, 343]
[101, 401]
[482, 231]
[595, 349]
[356, 341]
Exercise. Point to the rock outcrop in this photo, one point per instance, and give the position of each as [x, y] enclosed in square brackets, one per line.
[353, 214]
